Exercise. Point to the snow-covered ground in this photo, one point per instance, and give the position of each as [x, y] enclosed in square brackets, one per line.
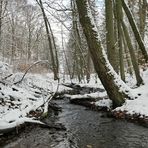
[17, 101]
[139, 105]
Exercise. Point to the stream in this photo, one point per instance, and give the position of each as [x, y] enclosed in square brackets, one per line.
[84, 129]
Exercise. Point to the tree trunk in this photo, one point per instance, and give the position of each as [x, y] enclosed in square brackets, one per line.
[77, 43]
[142, 17]
[120, 44]
[115, 87]
[135, 30]
[55, 48]
[1, 6]
[29, 44]
[54, 68]
[132, 54]
[88, 67]
[127, 56]
[110, 39]
[12, 44]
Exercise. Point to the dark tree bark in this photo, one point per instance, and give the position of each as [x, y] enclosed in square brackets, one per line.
[110, 39]
[54, 67]
[107, 75]
[1, 6]
[132, 54]
[135, 30]
[142, 17]
[120, 44]
[127, 56]
[55, 48]
[80, 63]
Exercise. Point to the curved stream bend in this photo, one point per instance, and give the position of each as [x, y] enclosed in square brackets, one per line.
[85, 129]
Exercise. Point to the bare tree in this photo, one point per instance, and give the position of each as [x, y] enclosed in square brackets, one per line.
[107, 75]
[135, 30]
[54, 66]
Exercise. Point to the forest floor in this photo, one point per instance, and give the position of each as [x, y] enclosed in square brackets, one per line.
[28, 100]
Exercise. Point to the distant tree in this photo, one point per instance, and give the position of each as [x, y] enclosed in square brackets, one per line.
[110, 38]
[53, 60]
[119, 14]
[135, 30]
[132, 54]
[143, 7]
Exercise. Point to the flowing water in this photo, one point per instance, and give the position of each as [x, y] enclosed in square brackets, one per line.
[85, 129]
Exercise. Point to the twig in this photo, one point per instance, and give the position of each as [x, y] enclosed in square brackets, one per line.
[4, 83]
[42, 61]
[7, 76]
[49, 98]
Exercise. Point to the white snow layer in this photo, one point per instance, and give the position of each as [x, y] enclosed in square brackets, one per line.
[139, 105]
[104, 103]
[16, 101]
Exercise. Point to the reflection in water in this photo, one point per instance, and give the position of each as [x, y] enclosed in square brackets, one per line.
[85, 129]
[89, 128]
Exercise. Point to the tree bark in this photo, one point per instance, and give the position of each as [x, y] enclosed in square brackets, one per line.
[142, 17]
[135, 30]
[120, 44]
[127, 56]
[54, 68]
[55, 48]
[1, 6]
[110, 39]
[132, 54]
[110, 80]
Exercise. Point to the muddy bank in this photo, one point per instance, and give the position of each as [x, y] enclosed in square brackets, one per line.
[135, 118]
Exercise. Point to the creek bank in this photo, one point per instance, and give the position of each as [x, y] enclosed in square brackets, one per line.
[135, 118]
[53, 109]
[89, 101]
[56, 130]
[84, 128]
[119, 115]
[59, 129]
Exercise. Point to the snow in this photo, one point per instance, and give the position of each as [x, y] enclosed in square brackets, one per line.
[5, 125]
[104, 103]
[95, 95]
[5, 69]
[16, 101]
[139, 105]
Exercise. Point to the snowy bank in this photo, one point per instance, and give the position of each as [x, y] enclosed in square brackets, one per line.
[137, 106]
[18, 101]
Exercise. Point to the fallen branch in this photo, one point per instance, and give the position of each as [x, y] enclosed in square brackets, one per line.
[48, 99]
[42, 61]
[2, 82]
[7, 76]
[16, 129]
[16, 125]
[83, 89]
[72, 85]
[54, 107]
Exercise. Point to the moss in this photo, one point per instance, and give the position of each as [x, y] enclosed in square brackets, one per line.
[44, 115]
